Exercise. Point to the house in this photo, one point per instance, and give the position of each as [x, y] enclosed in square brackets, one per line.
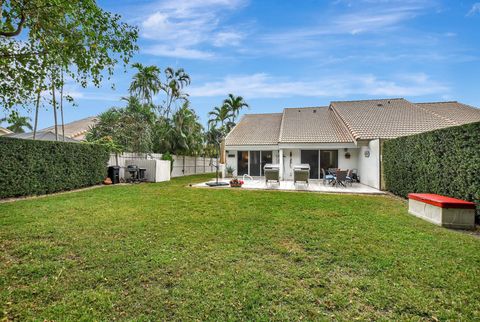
[75, 130]
[42, 136]
[4, 131]
[345, 134]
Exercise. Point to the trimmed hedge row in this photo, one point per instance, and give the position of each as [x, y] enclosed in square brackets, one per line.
[445, 162]
[29, 167]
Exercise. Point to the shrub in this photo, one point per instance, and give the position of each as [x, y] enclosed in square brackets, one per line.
[445, 162]
[29, 167]
[168, 157]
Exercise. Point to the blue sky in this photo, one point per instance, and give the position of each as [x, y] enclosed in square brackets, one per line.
[278, 54]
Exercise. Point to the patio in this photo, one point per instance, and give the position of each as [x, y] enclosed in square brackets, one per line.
[259, 183]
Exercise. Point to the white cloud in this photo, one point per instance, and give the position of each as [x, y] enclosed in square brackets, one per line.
[227, 38]
[262, 85]
[355, 22]
[189, 25]
[161, 50]
[475, 9]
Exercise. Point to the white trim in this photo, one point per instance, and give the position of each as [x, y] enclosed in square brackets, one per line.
[316, 146]
[251, 147]
[305, 146]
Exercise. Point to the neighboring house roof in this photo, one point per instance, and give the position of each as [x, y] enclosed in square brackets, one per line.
[41, 135]
[311, 125]
[256, 129]
[4, 131]
[388, 118]
[349, 121]
[76, 129]
[455, 112]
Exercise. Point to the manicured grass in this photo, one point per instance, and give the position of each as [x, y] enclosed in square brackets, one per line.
[167, 251]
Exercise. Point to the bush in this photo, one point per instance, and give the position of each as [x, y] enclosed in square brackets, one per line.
[446, 162]
[29, 167]
[168, 157]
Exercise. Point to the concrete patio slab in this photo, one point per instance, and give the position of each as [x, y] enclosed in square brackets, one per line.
[313, 186]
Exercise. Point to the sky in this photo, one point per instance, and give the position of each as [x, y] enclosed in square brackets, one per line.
[279, 53]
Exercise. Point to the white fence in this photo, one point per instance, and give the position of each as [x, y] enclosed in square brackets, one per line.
[159, 170]
[185, 166]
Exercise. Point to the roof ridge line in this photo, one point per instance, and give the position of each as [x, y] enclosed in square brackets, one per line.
[280, 132]
[372, 99]
[342, 120]
[445, 118]
[294, 108]
[439, 102]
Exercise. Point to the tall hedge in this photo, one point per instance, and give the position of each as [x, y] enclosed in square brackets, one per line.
[29, 167]
[445, 162]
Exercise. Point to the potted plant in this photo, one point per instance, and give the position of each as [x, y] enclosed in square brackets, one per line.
[236, 183]
[229, 170]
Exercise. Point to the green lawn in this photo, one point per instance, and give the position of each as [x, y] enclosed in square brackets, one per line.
[167, 251]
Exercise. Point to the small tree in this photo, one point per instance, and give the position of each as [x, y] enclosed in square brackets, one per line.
[75, 36]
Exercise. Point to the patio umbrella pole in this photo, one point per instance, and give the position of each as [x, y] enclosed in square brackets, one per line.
[217, 165]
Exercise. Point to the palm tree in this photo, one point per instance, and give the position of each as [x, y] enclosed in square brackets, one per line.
[220, 115]
[235, 104]
[176, 80]
[146, 82]
[186, 132]
[17, 123]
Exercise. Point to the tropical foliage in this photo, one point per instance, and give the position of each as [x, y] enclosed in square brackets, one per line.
[159, 118]
[17, 122]
[130, 127]
[145, 126]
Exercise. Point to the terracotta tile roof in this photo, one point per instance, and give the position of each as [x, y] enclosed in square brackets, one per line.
[386, 118]
[346, 121]
[77, 129]
[256, 129]
[456, 112]
[312, 125]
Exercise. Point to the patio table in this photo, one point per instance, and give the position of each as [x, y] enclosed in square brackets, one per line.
[340, 177]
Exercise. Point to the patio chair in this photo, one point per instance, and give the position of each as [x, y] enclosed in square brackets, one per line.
[341, 177]
[327, 177]
[271, 172]
[349, 178]
[301, 172]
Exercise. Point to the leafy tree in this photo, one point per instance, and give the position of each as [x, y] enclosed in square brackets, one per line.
[130, 128]
[17, 122]
[187, 131]
[182, 134]
[146, 82]
[75, 36]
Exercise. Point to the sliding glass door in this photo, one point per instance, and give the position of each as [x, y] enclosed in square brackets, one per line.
[242, 162]
[328, 159]
[267, 157]
[252, 162]
[310, 157]
[255, 163]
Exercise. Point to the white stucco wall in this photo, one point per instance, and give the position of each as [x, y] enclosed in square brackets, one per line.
[344, 163]
[232, 161]
[289, 162]
[369, 168]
